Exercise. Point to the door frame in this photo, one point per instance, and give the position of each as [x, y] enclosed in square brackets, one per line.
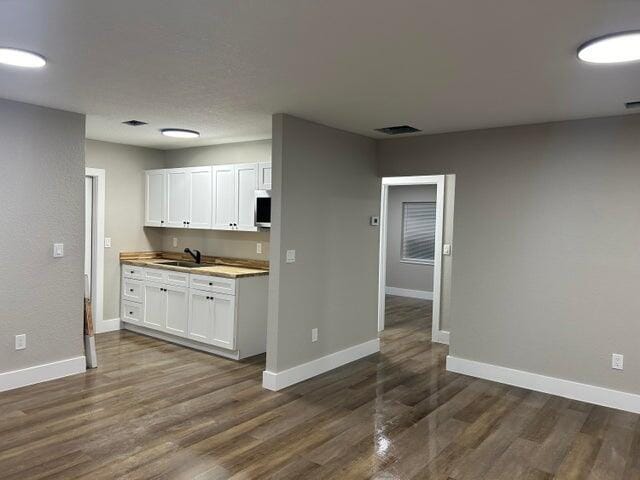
[97, 259]
[437, 335]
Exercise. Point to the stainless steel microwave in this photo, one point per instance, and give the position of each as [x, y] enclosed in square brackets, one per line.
[263, 208]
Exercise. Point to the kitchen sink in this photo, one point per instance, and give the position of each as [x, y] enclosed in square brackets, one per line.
[183, 264]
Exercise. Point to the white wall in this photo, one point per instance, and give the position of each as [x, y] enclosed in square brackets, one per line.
[325, 188]
[42, 199]
[124, 167]
[545, 259]
[404, 275]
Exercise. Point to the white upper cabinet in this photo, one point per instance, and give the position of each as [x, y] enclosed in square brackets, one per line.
[154, 198]
[246, 178]
[200, 197]
[221, 197]
[264, 176]
[224, 197]
[177, 192]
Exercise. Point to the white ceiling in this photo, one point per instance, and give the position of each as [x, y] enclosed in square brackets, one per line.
[223, 67]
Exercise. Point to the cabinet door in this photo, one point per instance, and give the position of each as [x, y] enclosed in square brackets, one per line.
[200, 324]
[154, 307]
[200, 198]
[224, 321]
[176, 310]
[246, 177]
[154, 198]
[264, 176]
[177, 192]
[224, 197]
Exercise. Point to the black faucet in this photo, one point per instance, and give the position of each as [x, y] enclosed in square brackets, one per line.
[196, 256]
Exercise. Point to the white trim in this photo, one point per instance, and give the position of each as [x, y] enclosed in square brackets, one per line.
[97, 282]
[109, 325]
[42, 373]
[541, 383]
[437, 335]
[299, 373]
[406, 292]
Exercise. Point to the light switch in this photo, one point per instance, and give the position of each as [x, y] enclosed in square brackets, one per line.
[107, 242]
[21, 342]
[446, 249]
[291, 256]
[58, 249]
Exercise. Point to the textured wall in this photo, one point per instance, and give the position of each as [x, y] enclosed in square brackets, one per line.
[42, 199]
[545, 262]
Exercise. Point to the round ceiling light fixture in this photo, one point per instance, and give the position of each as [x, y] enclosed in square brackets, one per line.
[615, 48]
[179, 133]
[21, 58]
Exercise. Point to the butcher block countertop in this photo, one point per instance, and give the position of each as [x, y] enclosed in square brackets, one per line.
[214, 266]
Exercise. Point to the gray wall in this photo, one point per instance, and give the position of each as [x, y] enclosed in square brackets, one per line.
[325, 188]
[545, 260]
[219, 243]
[42, 198]
[124, 167]
[411, 276]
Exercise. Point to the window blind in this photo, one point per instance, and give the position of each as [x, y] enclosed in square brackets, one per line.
[418, 231]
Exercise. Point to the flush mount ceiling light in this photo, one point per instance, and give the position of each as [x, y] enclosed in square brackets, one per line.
[616, 48]
[179, 133]
[21, 58]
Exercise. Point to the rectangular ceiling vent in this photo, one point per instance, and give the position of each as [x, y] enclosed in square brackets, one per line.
[134, 123]
[397, 130]
[635, 104]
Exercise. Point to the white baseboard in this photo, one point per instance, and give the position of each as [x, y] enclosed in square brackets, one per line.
[291, 376]
[108, 325]
[405, 292]
[440, 336]
[541, 383]
[42, 373]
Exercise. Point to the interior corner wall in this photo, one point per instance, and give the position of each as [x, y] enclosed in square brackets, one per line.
[545, 255]
[325, 189]
[124, 167]
[42, 198]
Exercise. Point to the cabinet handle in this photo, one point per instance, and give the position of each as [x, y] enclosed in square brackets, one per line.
[130, 313]
[161, 221]
[210, 283]
[132, 271]
[131, 289]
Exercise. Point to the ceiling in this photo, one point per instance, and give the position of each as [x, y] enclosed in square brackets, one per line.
[223, 67]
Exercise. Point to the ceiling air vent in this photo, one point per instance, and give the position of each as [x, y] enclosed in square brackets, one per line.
[134, 123]
[398, 130]
[635, 104]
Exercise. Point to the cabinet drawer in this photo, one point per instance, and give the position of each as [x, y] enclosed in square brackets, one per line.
[213, 284]
[131, 312]
[168, 277]
[129, 271]
[132, 290]
[155, 275]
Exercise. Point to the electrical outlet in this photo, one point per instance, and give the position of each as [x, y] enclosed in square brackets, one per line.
[258, 247]
[314, 334]
[617, 361]
[175, 241]
[446, 249]
[58, 250]
[107, 242]
[291, 256]
[21, 341]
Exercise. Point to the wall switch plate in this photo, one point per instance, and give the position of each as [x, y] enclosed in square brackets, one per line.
[258, 247]
[374, 221]
[446, 249]
[21, 341]
[107, 242]
[58, 250]
[175, 241]
[617, 361]
[314, 334]
[291, 256]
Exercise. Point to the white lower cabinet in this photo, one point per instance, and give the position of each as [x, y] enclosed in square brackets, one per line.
[199, 312]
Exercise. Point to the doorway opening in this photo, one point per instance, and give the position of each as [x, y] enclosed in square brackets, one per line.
[94, 242]
[411, 243]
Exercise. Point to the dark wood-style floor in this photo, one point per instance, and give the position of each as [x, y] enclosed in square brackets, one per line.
[155, 410]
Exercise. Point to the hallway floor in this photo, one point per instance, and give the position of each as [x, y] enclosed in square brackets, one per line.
[156, 410]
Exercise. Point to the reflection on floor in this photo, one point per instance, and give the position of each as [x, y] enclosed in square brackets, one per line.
[155, 410]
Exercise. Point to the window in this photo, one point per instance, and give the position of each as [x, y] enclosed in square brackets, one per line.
[418, 232]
